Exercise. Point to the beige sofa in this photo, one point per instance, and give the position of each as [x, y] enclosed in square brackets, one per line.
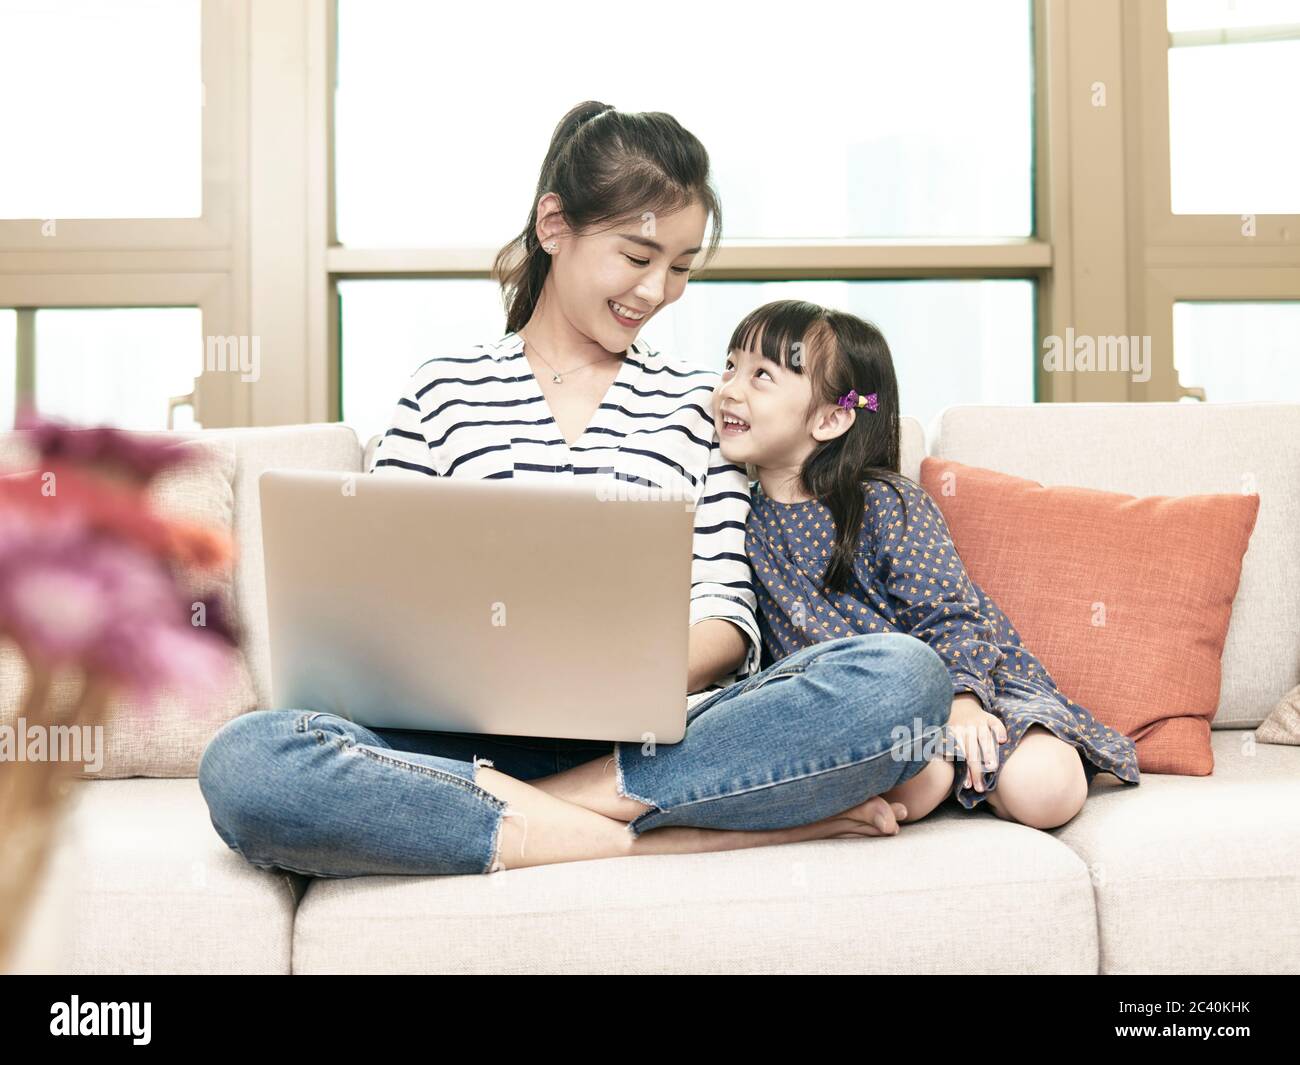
[1178, 875]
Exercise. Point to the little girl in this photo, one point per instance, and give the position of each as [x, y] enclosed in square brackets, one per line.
[808, 402]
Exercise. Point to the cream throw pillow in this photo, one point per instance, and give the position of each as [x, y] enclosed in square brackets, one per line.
[167, 737]
[1283, 723]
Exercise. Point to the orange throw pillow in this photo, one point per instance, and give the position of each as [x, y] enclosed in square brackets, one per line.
[1125, 601]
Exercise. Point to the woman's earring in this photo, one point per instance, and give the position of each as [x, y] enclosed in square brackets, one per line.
[550, 246]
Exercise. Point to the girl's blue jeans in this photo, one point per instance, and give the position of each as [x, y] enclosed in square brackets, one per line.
[814, 734]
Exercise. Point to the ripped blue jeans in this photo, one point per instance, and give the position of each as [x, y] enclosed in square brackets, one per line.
[814, 734]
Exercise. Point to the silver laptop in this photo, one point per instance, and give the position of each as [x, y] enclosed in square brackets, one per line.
[482, 606]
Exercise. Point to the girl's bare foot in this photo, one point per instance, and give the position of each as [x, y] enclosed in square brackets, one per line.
[925, 791]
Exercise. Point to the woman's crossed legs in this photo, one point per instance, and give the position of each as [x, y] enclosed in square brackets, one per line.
[801, 751]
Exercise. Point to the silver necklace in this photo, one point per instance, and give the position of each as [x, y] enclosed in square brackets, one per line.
[555, 375]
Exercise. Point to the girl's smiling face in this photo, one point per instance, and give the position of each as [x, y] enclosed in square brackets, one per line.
[610, 283]
[771, 403]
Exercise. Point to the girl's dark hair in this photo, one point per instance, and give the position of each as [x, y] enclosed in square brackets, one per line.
[606, 166]
[838, 352]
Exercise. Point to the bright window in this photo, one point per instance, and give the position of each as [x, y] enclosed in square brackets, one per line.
[952, 341]
[1239, 351]
[117, 366]
[1234, 85]
[101, 113]
[442, 121]
[8, 366]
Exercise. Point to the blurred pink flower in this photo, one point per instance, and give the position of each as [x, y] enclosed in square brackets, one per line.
[123, 513]
[77, 599]
[139, 456]
[85, 580]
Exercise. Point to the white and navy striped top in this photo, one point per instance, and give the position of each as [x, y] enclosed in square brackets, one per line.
[483, 415]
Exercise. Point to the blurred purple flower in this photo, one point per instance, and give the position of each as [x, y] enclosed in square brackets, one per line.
[218, 619]
[140, 455]
[69, 597]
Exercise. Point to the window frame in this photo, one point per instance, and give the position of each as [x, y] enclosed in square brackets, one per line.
[1106, 256]
[212, 229]
[1189, 257]
[158, 262]
[1028, 258]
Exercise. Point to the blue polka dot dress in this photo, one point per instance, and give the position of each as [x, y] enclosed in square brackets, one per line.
[907, 577]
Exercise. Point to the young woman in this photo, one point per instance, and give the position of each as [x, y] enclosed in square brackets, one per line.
[569, 392]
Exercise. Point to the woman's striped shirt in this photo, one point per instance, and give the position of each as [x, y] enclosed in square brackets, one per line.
[482, 414]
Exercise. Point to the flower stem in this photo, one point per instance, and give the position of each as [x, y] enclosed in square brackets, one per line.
[32, 796]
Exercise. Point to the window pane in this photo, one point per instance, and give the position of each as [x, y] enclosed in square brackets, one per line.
[882, 120]
[1239, 352]
[1231, 150]
[8, 365]
[390, 327]
[952, 341]
[102, 109]
[118, 366]
[1185, 15]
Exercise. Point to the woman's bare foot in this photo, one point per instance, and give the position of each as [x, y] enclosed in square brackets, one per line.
[543, 829]
[593, 786]
[875, 817]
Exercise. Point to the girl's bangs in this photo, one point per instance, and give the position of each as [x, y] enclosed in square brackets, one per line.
[779, 327]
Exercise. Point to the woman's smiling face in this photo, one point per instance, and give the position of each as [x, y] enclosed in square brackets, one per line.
[610, 283]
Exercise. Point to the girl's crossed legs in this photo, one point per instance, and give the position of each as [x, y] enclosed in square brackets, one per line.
[1042, 784]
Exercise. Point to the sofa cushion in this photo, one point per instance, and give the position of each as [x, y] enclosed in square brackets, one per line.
[324, 446]
[1283, 724]
[882, 905]
[1176, 449]
[141, 883]
[164, 736]
[1198, 874]
[1125, 601]
[911, 448]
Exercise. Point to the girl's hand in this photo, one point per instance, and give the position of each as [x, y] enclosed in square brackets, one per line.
[978, 734]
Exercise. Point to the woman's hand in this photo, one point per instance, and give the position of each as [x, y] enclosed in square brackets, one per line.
[716, 647]
[978, 734]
